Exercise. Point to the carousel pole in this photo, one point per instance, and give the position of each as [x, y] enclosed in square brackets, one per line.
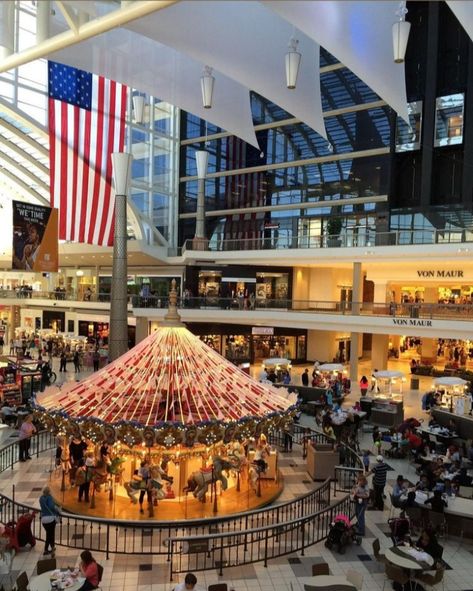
[214, 486]
[92, 497]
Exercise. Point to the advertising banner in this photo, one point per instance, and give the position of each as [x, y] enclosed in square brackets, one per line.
[35, 237]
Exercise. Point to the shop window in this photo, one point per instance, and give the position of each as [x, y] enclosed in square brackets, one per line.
[408, 136]
[449, 120]
[237, 347]
[271, 286]
[209, 284]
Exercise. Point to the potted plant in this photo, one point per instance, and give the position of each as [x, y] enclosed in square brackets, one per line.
[334, 227]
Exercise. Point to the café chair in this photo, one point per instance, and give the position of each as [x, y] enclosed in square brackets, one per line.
[376, 551]
[44, 565]
[438, 522]
[433, 580]
[395, 574]
[22, 582]
[320, 569]
[218, 587]
[100, 572]
[355, 579]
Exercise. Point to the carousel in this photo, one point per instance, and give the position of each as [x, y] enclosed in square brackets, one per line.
[170, 430]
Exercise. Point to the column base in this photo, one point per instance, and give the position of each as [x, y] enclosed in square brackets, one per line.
[200, 243]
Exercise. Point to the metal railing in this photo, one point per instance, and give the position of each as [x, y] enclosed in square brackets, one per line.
[222, 550]
[424, 311]
[363, 238]
[152, 537]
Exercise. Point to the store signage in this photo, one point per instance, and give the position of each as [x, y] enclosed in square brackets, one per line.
[441, 273]
[411, 322]
[262, 330]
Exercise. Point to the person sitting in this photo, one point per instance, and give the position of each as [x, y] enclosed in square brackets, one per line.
[90, 570]
[189, 583]
[328, 429]
[410, 501]
[424, 483]
[428, 543]
[436, 502]
[399, 489]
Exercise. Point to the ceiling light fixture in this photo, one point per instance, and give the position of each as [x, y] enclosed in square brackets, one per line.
[138, 108]
[400, 31]
[293, 62]
[207, 81]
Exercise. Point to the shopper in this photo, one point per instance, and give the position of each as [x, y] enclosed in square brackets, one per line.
[90, 570]
[96, 359]
[189, 583]
[364, 385]
[76, 360]
[305, 378]
[63, 362]
[49, 517]
[361, 494]
[380, 471]
[27, 430]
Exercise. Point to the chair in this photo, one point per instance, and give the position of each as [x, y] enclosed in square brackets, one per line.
[395, 574]
[320, 569]
[44, 565]
[438, 522]
[394, 506]
[218, 587]
[432, 580]
[376, 551]
[355, 579]
[100, 570]
[466, 492]
[415, 517]
[22, 582]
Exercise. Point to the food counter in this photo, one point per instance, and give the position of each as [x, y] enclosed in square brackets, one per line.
[384, 412]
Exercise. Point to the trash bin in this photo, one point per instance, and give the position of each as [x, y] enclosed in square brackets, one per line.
[414, 383]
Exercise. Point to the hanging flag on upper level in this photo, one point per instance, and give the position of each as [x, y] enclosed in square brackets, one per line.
[86, 124]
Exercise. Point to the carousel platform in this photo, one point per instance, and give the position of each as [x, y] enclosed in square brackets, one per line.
[185, 507]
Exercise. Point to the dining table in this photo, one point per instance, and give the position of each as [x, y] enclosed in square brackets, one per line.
[404, 557]
[326, 582]
[42, 582]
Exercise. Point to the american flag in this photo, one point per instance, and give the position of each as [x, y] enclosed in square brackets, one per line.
[86, 124]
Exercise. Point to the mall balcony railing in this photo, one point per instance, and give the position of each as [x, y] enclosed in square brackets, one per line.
[363, 239]
[405, 310]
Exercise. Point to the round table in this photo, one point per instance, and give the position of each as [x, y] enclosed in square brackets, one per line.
[43, 583]
[408, 562]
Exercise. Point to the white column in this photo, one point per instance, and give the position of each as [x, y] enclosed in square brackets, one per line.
[357, 289]
[380, 290]
[355, 338]
[43, 13]
[7, 28]
[379, 352]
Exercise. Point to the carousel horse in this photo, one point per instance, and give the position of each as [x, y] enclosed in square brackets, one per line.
[155, 484]
[198, 482]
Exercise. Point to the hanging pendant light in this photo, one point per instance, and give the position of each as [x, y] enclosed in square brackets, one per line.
[293, 62]
[400, 31]
[201, 159]
[138, 108]
[207, 86]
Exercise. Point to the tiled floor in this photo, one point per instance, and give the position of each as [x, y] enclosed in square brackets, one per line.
[145, 573]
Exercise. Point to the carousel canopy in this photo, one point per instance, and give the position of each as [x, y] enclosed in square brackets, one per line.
[170, 377]
[450, 381]
[330, 367]
[386, 374]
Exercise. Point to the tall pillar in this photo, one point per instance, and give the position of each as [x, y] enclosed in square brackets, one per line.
[428, 351]
[357, 293]
[355, 339]
[118, 341]
[379, 351]
[380, 291]
[142, 329]
[43, 14]
[321, 345]
[7, 28]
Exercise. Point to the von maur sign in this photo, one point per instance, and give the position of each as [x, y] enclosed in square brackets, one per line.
[35, 237]
[440, 273]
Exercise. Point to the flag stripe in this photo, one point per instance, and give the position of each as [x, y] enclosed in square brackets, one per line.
[86, 124]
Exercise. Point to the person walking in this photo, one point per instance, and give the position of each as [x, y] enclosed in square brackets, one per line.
[63, 362]
[49, 517]
[76, 360]
[305, 378]
[379, 471]
[364, 385]
[27, 430]
[361, 494]
[96, 359]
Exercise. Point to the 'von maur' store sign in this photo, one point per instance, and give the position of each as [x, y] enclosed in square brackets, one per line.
[418, 274]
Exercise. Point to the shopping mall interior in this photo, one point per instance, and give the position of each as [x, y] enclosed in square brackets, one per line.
[236, 295]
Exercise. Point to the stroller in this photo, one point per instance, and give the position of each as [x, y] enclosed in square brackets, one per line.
[20, 533]
[400, 528]
[342, 533]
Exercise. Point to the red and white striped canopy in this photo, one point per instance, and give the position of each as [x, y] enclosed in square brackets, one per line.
[170, 376]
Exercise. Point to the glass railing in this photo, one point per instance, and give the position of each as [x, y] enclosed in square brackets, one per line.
[362, 239]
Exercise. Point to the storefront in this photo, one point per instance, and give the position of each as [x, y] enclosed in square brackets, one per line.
[144, 284]
[240, 343]
[272, 285]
